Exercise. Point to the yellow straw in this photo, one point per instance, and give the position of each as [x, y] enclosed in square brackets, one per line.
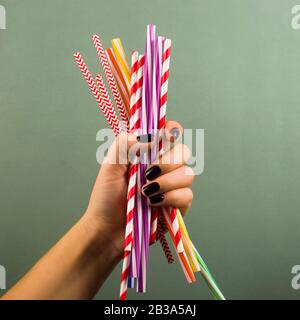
[121, 57]
[188, 244]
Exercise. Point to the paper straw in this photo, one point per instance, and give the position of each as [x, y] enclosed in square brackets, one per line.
[133, 88]
[116, 127]
[137, 96]
[153, 222]
[164, 82]
[162, 228]
[176, 230]
[129, 230]
[128, 234]
[136, 124]
[124, 91]
[124, 275]
[163, 241]
[106, 98]
[133, 169]
[162, 120]
[110, 80]
[107, 109]
[130, 208]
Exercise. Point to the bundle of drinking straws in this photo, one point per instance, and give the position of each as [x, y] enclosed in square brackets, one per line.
[140, 95]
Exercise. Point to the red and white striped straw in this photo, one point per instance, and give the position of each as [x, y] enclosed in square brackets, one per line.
[182, 256]
[110, 80]
[124, 275]
[107, 110]
[161, 124]
[163, 241]
[132, 173]
[176, 229]
[136, 74]
[104, 93]
[136, 110]
[133, 89]
[164, 82]
[131, 196]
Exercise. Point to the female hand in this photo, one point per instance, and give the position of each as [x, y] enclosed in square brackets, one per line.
[169, 182]
[93, 246]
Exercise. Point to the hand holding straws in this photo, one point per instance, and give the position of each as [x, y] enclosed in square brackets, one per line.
[140, 95]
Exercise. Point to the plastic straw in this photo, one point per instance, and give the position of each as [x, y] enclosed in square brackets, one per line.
[124, 91]
[144, 91]
[121, 57]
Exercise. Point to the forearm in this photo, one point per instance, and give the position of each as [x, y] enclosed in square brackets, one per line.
[75, 268]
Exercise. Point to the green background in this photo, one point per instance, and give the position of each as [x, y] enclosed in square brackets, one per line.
[235, 72]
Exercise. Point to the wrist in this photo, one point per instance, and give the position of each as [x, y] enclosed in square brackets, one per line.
[102, 237]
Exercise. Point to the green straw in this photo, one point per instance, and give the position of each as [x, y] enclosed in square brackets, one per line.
[210, 281]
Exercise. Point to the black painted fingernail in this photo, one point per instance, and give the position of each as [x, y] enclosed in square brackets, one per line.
[151, 188]
[157, 198]
[144, 138]
[152, 173]
[175, 132]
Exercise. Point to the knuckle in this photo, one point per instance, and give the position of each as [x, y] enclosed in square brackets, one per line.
[182, 153]
[190, 197]
[188, 171]
[186, 152]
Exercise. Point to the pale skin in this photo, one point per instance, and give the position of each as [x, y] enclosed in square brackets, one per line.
[79, 263]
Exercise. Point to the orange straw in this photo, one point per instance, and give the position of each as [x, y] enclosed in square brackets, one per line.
[182, 256]
[119, 78]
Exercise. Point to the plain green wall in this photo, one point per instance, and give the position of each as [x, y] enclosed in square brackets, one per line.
[235, 72]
